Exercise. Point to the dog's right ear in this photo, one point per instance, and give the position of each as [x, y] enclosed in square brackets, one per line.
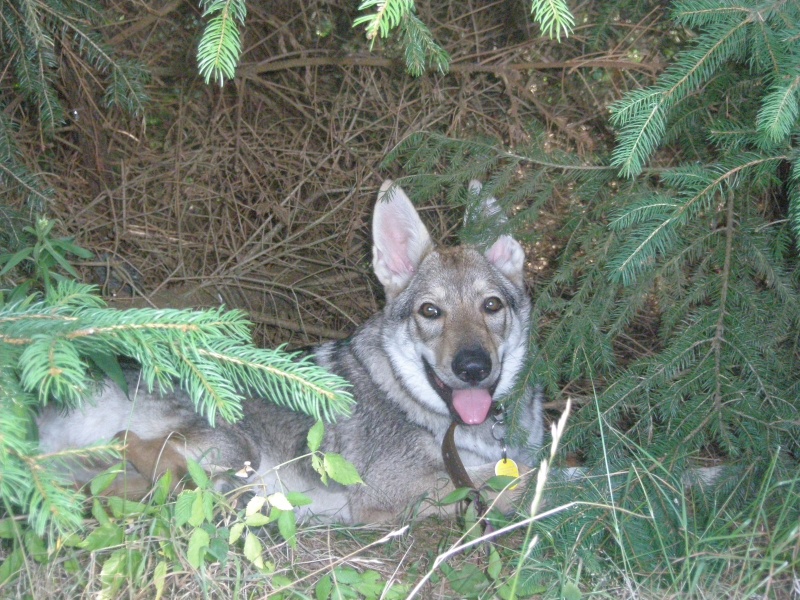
[400, 239]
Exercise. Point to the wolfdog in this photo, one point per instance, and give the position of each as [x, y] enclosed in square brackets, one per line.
[449, 345]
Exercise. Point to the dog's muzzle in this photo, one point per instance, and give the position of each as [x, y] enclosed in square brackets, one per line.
[471, 405]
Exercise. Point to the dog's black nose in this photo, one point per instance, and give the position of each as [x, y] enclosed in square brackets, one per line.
[472, 365]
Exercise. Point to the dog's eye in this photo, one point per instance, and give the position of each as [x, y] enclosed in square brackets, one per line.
[430, 311]
[492, 305]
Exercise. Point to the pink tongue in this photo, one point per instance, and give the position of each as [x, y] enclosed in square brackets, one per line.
[472, 405]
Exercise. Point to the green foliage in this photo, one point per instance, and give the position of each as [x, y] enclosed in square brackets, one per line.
[220, 46]
[731, 38]
[421, 50]
[31, 30]
[554, 17]
[698, 247]
[35, 37]
[53, 348]
[40, 260]
[672, 313]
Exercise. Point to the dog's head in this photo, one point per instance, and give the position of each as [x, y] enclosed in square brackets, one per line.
[457, 318]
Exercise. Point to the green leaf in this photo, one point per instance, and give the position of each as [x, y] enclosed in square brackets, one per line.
[11, 565]
[340, 469]
[257, 520]
[100, 483]
[121, 508]
[468, 581]
[99, 513]
[315, 436]
[236, 532]
[7, 529]
[318, 465]
[456, 496]
[253, 550]
[218, 549]
[322, 591]
[495, 564]
[298, 499]
[197, 474]
[160, 578]
[184, 507]
[279, 501]
[109, 366]
[162, 489]
[114, 573]
[498, 483]
[36, 547]
[254, 505]
[570, 591]
[198, 544]
[198, 516]
[12, 260]
[287, 525]
[105, 536]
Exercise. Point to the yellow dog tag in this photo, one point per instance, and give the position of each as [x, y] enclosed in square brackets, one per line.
[507, 467]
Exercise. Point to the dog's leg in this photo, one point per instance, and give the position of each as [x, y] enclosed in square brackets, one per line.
[151, 459]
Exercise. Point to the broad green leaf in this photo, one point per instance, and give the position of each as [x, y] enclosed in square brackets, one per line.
[468, 581]
[183, 507]
[495, 564]
[100, 483]
[218, 549]
[499, 482]
[105, 536]
[113, 574]
[198, 515]
[255, 504]
[253, 549]
[298, 499]
[109, 366]
[11, 565]
[322, 591]
[456, 496]
[279, 500]
[257, 520]
[340, 469]
[160, 578]
[198, 544]
[122, 508]
[287, 525]
[7, 529]
[196, 472]
[315, 436]
[99, 513]
[236, 532]
[570, 591]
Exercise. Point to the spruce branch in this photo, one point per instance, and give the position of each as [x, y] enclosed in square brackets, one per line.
[554, 17]
[220, 47]
[779, 111]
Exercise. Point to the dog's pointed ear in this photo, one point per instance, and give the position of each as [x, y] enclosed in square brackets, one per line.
[506, 253]
[400, 239]
[508, 256]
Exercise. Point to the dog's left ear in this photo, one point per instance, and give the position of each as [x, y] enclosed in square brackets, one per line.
[506, 253]
[508, 256]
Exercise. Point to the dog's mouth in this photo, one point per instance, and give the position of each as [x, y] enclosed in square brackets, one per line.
[470, 406]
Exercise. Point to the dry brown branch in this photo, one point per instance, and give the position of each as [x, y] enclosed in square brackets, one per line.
[259, 195]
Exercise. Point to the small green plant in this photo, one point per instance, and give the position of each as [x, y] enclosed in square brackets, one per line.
[40, 262]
